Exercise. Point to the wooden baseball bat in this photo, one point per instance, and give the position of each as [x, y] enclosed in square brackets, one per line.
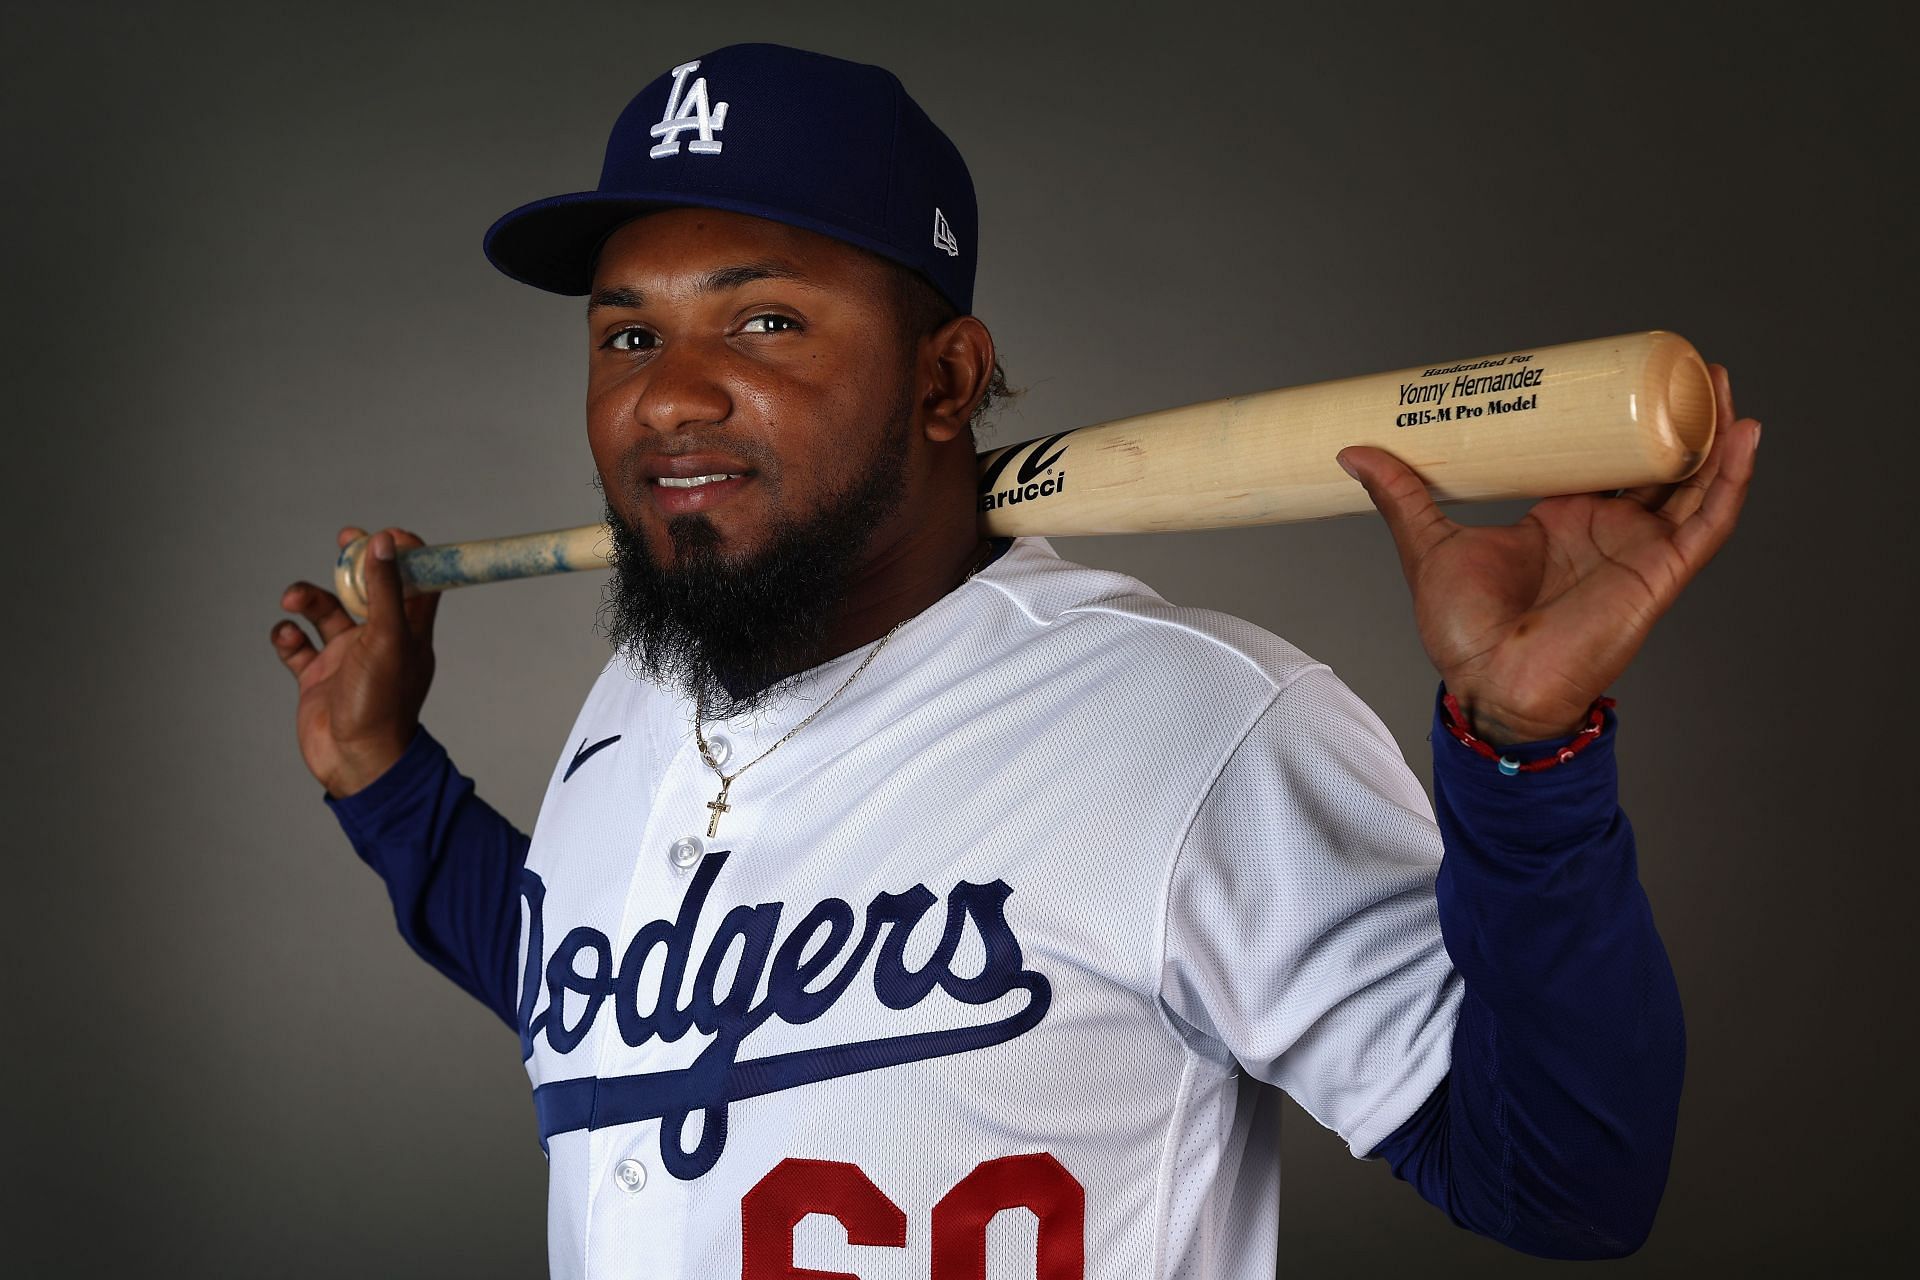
[1609, 413]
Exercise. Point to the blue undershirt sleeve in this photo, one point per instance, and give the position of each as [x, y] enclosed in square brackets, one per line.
[1554, 1128]
[451, 863]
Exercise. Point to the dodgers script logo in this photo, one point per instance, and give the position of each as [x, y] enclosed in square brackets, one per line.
[583, 963]
[689, 112]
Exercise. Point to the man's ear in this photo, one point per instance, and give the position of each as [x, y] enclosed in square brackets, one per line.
[953, 367]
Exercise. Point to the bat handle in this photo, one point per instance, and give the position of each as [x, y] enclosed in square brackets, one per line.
[465, 564]
[350, 579]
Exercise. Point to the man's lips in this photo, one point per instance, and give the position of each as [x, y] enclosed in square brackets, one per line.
[682, 485]
[670, 500]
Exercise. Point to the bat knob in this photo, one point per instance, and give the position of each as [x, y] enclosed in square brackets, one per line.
[349, 577]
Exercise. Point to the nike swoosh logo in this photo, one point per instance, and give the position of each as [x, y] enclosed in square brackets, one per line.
[585, 753]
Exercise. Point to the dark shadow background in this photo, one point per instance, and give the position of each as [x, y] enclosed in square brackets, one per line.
[247, 304]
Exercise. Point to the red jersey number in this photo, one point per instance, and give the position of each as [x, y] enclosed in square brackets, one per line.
[796, 1188]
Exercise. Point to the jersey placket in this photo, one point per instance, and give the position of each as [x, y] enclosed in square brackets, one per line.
[637, 1211]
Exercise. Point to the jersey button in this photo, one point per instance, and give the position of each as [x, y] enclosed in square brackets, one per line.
[631, 1175]
[719, 748]
[686, 851]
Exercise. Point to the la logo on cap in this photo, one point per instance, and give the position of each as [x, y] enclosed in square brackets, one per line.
[690, 111]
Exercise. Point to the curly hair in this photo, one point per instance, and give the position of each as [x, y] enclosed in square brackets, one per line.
[922, 309]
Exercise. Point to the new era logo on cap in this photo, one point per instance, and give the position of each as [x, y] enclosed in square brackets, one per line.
[817, 142]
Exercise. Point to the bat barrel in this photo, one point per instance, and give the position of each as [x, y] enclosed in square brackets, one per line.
[1681, 421]
[1605, 414]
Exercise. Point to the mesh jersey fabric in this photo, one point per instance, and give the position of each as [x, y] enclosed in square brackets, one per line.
[1167, 846]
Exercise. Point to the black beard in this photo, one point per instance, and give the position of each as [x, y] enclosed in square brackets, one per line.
[731, 632]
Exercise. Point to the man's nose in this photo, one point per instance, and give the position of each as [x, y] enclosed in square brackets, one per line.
[683, 389]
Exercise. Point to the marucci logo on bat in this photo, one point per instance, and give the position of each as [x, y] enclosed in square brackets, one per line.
[1037, 477]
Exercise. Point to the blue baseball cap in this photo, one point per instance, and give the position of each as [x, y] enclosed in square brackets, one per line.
[814, 141]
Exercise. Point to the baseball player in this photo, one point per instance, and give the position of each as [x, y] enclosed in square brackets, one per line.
[904, 904]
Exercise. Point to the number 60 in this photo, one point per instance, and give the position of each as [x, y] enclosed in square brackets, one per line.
[794, 1189]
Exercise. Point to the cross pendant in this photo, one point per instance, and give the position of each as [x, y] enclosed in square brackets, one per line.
[719, 806]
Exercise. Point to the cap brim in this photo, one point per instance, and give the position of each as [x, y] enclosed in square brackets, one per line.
[551, 244]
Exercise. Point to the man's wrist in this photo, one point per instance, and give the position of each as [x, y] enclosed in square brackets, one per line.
[1501, 729]
[366, 764]
[1522, 756]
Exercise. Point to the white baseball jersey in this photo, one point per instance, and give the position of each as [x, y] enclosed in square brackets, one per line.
[990, 969]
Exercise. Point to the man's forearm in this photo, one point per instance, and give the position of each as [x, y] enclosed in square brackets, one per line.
[451, 863]
[1554, 1131]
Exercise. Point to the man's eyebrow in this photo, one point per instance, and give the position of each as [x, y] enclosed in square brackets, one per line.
[715, 281]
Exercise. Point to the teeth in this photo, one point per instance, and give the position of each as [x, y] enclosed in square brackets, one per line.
[691, 482]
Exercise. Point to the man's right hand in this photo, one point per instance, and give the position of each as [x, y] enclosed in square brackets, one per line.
[362, 690]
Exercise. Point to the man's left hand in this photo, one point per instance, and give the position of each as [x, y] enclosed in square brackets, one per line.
[1528, 623]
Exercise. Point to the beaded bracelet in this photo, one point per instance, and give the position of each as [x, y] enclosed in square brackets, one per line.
[1596, 720]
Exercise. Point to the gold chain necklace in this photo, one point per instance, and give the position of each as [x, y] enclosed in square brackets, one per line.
[719, 803]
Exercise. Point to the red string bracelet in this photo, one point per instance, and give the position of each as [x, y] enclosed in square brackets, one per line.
[1596, 720]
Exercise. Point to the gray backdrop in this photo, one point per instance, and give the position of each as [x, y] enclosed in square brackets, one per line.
[248, 305]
